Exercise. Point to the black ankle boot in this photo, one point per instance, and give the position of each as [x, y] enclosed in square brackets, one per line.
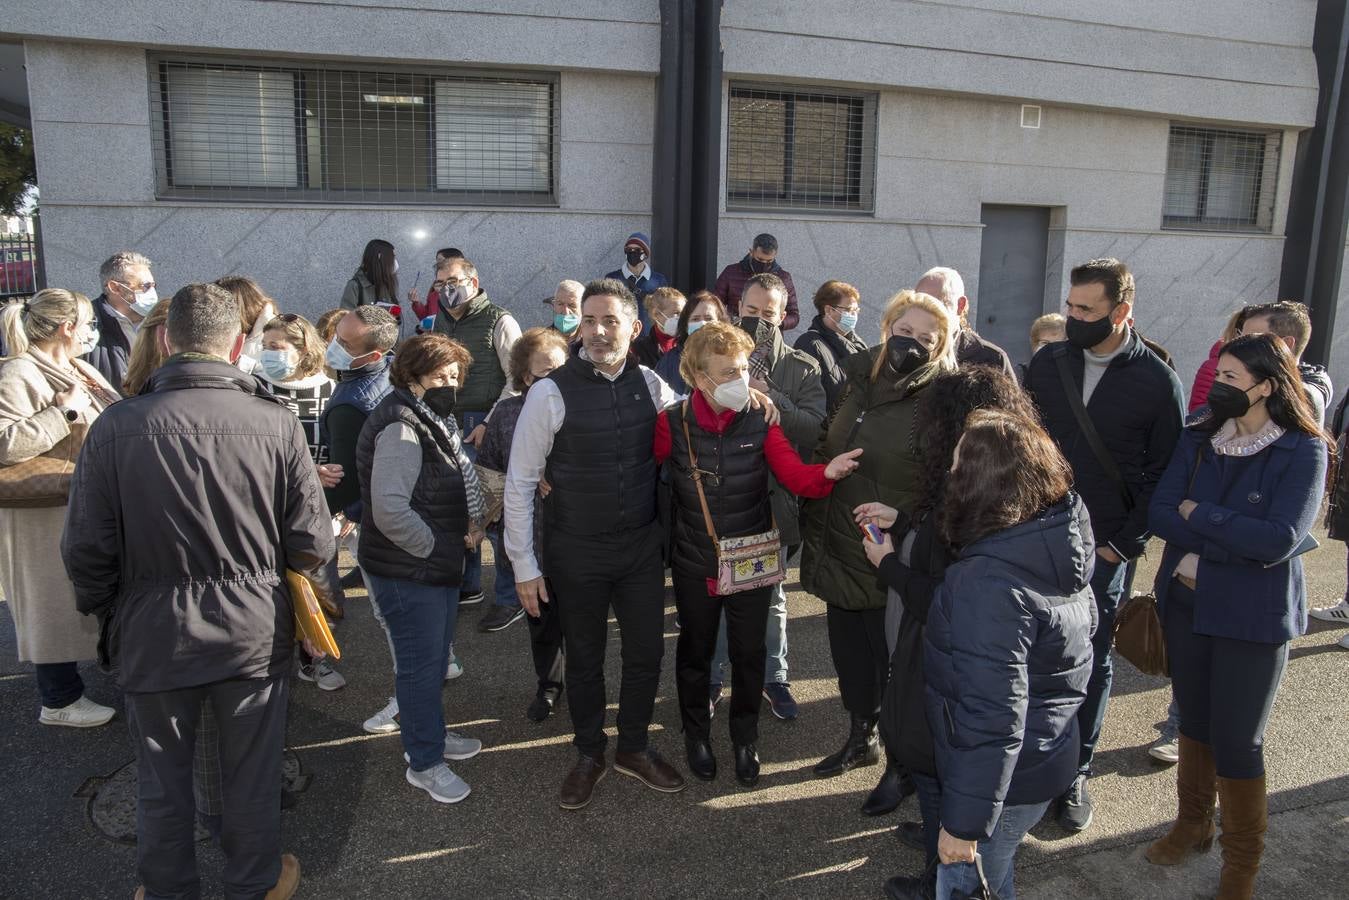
[885, 798]
[861, 749]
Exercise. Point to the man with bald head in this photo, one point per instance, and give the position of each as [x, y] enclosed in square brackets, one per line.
[971, 350]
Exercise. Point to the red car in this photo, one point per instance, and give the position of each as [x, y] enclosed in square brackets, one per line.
[16, 271]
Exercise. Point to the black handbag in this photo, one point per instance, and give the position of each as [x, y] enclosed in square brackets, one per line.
[903, 722]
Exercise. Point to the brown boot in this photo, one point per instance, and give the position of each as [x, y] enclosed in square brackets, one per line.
[289, 880]
[1196, 788]
[1245, 818]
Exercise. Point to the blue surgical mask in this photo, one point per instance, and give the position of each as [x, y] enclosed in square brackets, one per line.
[277, 364]
[566, 322]
[144, 302]
[847, 321]
[337, 357]
[694, 326]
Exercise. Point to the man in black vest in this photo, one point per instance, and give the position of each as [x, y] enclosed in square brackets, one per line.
[488, 331]
[1116, 412]
[588, 429]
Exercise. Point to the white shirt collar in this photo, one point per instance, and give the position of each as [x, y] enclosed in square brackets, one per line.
[598, 371]
[628, 273]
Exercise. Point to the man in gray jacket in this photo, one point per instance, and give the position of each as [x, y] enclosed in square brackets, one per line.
[792, 380]
[190, 502]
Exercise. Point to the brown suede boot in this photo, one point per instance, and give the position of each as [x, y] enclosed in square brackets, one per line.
[1196, 788]
[1244, 819]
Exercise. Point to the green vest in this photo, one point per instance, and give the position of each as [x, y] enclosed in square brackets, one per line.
[474, 331]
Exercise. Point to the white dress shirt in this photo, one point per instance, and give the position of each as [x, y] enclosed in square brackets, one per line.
[540, 419]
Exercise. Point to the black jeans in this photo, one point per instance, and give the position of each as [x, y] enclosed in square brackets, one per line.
[700, 619]
[1224, 687]
[591, 574]
[545, 642]
[251, 720]
[857, 644]
[59, 684]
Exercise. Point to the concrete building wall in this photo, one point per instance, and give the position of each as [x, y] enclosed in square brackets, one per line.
[96, 177]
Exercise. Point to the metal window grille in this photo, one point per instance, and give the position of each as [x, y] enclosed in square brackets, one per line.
[800, 149]
[242, 131]
[1220, 179]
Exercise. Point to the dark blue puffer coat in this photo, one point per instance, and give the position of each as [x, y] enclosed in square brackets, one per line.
[1007, 659]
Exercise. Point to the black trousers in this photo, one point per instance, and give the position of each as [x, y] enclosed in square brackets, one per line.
[857, 643]
[545, 642]
[591, 575]
[1224, 688]
[251, 721]
[700, 619]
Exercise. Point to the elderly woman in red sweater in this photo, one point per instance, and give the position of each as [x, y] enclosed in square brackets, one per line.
[716, 448]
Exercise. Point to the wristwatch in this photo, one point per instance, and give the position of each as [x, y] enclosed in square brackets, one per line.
[71, 415]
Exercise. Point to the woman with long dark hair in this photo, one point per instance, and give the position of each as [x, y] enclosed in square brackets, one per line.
[1008, 645]
[376, 281]
[1236, 507]
[911, 561]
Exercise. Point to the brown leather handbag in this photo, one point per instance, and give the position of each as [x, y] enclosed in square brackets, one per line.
[44, 480]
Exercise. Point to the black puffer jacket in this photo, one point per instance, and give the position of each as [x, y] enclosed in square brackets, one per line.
[831, 350]
[1007, 659]
[190, 502]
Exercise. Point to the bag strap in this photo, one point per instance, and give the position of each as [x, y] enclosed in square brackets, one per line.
[695, 473]
[1088, 429]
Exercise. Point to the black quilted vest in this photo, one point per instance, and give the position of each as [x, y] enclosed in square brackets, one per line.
[438, 498]
[602, 467]
[736, 488]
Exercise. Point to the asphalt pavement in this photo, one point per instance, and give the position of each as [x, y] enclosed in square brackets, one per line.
[361, 831]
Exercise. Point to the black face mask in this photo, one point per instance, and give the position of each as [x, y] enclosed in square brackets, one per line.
[758, 329]
[758, 267]
[1088, 334]
[441, 400]
[1228, 402]
[904, 354]
[635, 256]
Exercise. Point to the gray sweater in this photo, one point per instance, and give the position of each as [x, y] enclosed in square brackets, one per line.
[397, 465]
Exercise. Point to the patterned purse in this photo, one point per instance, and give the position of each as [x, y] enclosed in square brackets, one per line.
[743, 563]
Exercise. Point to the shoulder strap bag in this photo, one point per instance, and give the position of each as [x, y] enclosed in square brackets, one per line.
[743, 563]
[1089, 431]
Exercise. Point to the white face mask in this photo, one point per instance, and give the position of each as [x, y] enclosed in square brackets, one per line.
[144, 302]
[277, 364]
[733, 394]
[395, 266]
[670, 326]
[89, 341]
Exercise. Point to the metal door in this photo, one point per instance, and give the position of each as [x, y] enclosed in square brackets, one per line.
[1012, 262]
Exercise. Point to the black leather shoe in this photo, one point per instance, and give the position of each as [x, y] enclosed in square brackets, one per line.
[746, 765]
[885, 798]
[861, 749]
[910, 834]
[902, 887]
[702, 763]
[545, 701]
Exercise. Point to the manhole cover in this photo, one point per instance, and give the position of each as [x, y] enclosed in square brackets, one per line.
[112, 799]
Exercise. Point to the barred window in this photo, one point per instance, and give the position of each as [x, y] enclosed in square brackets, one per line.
[1220, 179]
[242, 131]
[801, 149]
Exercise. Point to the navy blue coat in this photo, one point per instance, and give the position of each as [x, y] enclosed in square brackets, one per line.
[1253, 510]
[1007, 660]
[1138, 410]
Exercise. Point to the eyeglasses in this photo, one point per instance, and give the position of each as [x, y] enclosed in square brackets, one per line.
[145, 286]
[846, 309]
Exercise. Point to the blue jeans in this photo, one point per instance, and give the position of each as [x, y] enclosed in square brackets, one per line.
[505, 572]
[1107, 586]
[420, 619]
[928, 789]
[775, 640]
[997, 854]
[1171, 730]
[472, 583]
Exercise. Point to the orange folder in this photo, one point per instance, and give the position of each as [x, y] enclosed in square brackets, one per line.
[310, 621]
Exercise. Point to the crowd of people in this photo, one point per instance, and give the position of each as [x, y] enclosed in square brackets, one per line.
[972, 529]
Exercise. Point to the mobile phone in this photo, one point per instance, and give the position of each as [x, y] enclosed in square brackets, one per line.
[873, 532]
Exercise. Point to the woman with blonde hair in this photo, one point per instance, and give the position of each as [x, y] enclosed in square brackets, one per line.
[875, 412]
[147, 353]
[291, 362]
[48, 398]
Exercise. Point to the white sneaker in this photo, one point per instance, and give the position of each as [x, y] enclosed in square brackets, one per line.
[454, 669]
[1167, 750]
[83, 713]
[1344, 642]
[457, 747]
[322, 673]
[442, 784]
[385, 721]
[1339, 613]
